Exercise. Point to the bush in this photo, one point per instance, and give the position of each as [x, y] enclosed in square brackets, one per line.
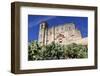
[55, 51]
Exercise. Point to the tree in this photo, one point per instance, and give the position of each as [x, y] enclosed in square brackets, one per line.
[56, 51]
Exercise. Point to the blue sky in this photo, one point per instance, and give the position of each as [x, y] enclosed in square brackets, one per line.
[81, 23]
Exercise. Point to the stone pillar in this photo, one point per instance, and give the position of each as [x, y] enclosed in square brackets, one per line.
[43, 33]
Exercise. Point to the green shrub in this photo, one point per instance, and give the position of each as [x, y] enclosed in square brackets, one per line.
[56, 51]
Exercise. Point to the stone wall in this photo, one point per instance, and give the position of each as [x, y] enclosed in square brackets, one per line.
[62, 34]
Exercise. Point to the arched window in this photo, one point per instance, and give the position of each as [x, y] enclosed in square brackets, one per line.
[61, 28]
[69, 28]
[60, 41]
[50, 32]
[57, 29]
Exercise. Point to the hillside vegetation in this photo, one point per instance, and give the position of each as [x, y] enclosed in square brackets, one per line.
[56, 51]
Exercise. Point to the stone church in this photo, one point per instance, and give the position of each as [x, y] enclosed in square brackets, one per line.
[62, 34]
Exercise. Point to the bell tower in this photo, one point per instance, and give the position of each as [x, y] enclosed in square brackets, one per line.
[43, 33]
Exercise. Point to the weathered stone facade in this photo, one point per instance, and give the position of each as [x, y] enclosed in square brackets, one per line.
[62, 34]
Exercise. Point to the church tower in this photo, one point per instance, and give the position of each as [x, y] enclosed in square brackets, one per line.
[43, 33]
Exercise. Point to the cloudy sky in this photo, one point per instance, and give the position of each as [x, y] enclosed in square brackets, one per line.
[81, 23]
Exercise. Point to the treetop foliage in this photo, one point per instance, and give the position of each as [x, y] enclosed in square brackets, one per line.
[56, 51]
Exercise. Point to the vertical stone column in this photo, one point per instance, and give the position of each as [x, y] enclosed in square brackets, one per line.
[43, 33]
